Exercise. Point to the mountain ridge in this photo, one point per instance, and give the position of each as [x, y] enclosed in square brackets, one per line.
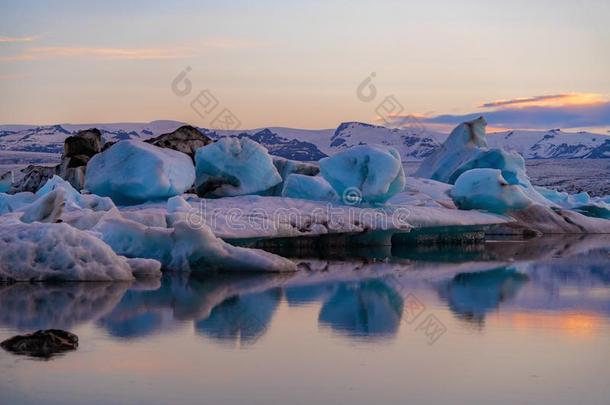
[414, 143]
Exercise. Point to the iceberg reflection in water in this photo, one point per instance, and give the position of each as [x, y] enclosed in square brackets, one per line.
[428, 325]
[358, 297]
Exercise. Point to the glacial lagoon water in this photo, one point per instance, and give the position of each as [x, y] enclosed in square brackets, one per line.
[506, 322]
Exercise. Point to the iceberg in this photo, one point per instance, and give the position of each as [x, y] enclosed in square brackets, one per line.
[309, 188]
[580, 202]
[466, 149]
[464, 143]
[47, 208]
[40, 251]
[286, 167]
[6, 181]
[133, 171]
[14, 202]
[186, 246]
[74, 200]
[234, 166]
[487, 189]
[370, 174]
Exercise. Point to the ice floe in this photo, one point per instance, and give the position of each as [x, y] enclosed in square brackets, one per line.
[234, 166]
[370, 174]
[309, 188]
[488, 190]
[39, 251]
[134, 171]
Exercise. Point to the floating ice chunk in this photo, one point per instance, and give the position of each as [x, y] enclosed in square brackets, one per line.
[373, 172]
[487, 189]
[286, 167]
[135, 240]
[308, 188]
[463, 144]
[133, 171]
[466, 149]
[511, 164]
[197, 248]
[40, 251]
[14, 202]
[232, 166]
[176, 204]
[563, 199]
[144, 268]
[581, 202]
[6, 181]
[73, 199]
[423, 193]
[48, 208]
[184, 247]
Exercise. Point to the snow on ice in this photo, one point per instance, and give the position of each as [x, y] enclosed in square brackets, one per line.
[375, 172]
[234, 166]
[134, 171]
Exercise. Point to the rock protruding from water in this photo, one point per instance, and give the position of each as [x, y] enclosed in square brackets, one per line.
[186, 139]
[43, 343]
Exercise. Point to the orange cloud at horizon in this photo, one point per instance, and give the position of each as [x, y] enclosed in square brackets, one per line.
[555, 100]
[30, 38]
[49, 52]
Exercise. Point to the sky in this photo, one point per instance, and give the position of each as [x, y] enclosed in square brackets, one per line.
[523, 64]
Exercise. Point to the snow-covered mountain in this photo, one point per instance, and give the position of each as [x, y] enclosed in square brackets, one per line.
[414, 143]
[553, 144]
[50, 138]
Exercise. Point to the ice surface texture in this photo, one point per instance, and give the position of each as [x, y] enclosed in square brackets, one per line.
[373, 172]
[232, 167]
[185, 246]
[134, 171]
[309, 188]
[487, 189]
[40, 251]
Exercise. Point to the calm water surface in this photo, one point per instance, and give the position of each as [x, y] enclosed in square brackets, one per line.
[504, 323]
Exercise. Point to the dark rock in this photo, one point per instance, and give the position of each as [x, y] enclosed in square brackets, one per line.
[34, 178]
[43, 343]
[186, 139]
[87, 142]
[77, 161]
[73, 170]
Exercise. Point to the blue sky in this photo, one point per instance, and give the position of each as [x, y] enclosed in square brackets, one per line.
[298, 64]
